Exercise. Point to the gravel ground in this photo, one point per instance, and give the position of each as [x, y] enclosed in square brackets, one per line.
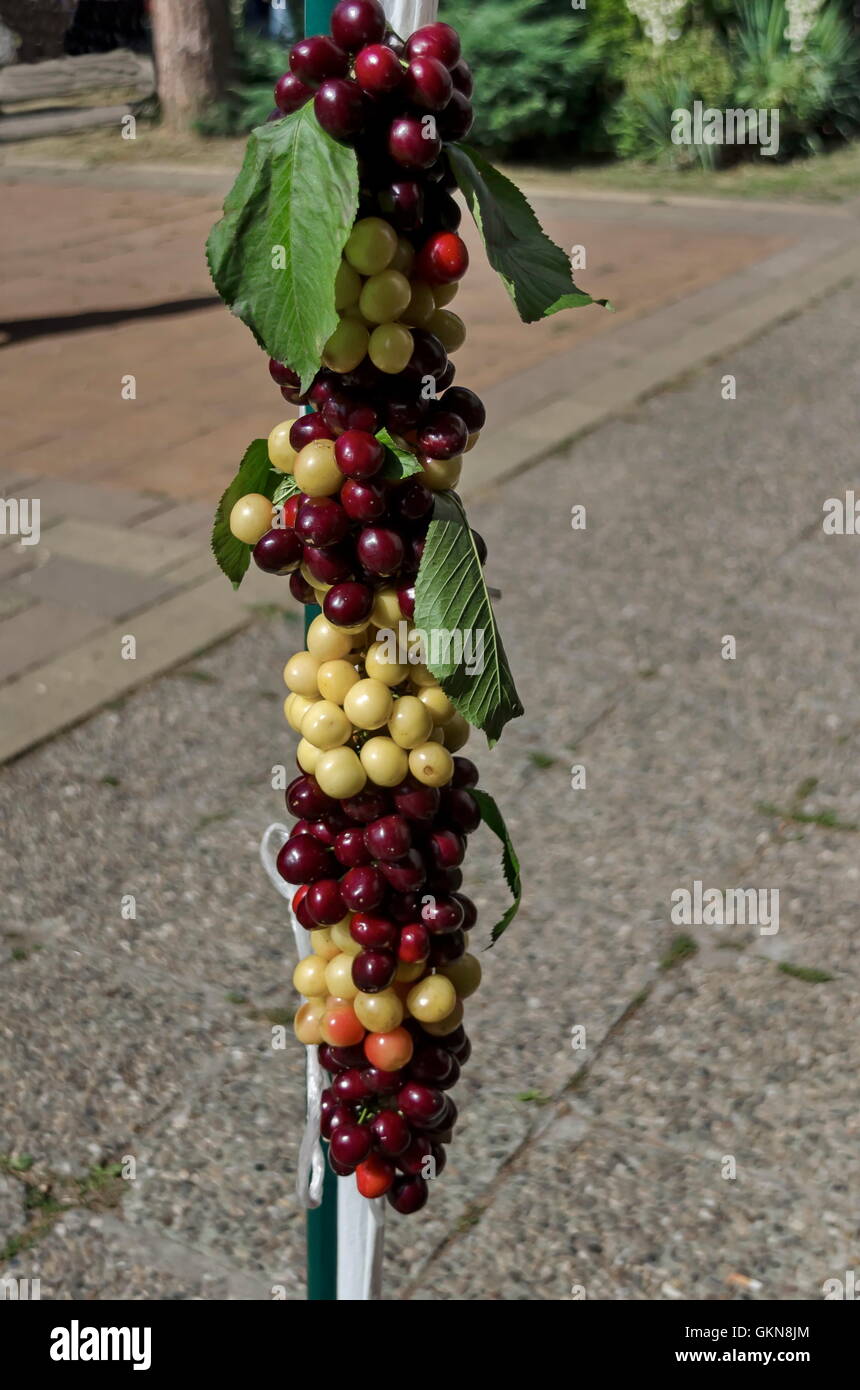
[703, 1142]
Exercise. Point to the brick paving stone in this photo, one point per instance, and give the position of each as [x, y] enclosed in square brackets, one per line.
[113, 546]
[97, 589]
[39, 632]
[62, 497]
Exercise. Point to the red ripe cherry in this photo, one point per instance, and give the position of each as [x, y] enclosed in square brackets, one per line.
[440, 1158]
[307, 428]
[355, 23]
[339, 107]
[380, 550]
[342, 412]
[291, 93]
[373, 970]
[382, 1083]
[304, 860]
[378, 70]
[443, 259]
[461, 808]
[406, 600]
[325, 829]
[301, 589]
[416, 802]
[359, 455]
[465, 773]
[316, 58]
[374, 932]
[300, 908]
[443, 882]
[457, 119]
[461, 76]
[366, 806]
[321, 521]
[350, 1144]
[435, 41]
[443, 436]
[462, 1051]
[428, 83]
[322, 387]
[391, 1133]
[470, 912]
[411, 500]
[428, 355]
[411, 1161]
[375, 1176]
[402, 203]
[283, 375]
[278, 552]
[388, 838]
[442, 915]
[468, 405]
[306, 799]
[330, 565]
[348, 604]
[434, 1066]
[401, 416]
[337, 1116]
[414, 944]
[362, 888]
[349, 1086]
[407, 875]
[325, 903]
[446, 849]
[447, 948]
[363, 501]
[346, 1057]
[350, 849]
[413, 144]
[444, 381]
[404, 907]
[422, 1103]
[452, 1041]
[290, 510]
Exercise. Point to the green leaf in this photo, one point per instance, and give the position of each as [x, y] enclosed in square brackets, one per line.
[492, 817]
[256, 474]
[399, 463]
[535, 272]
[286, 488]
[275, 253]
[453, 609]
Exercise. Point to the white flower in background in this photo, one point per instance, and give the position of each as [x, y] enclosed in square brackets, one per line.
[657, 16]
[802, 15]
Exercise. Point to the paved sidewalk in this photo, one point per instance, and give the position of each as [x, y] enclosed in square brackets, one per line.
[123, 292]
[703, 1144]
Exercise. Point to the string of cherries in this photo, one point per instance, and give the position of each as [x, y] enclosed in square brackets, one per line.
[382, 799]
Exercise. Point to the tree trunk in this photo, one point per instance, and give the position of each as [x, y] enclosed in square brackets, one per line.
[193, 55]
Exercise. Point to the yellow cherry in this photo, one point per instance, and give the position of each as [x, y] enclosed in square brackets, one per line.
[347, 346]
[368, 704]
[432, 999]
[431, 764]
[315, 469]
[403, 258]
[436, 701]
[380, 1013]
[307, 756]
[472, 441]
[421, 306]
[307, 1024]
[326, 642]
[386, 611]
[443, 294]
[372, 246]
[325, 725]
[411, 722]
[455, 733]
[322, 944]
[282, 455]
[440, 475]
[340, 773]
[464, 974]
[338, 977]
[335, 678]
[384, 762]
[390, 348]
[380, 668]
[419, 675]
[251, 517]
[449, 328]
[309, 976]
[347, 286]
[446, 1025]
[300, 674]
[340, 935]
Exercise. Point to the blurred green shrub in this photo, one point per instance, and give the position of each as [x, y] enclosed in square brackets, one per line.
[657, 81]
